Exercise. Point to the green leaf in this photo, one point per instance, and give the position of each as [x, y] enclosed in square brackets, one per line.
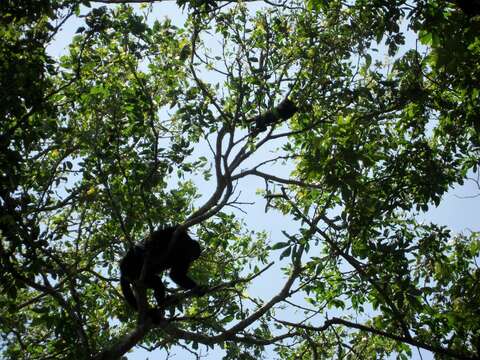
[280, 245]
[286, 253]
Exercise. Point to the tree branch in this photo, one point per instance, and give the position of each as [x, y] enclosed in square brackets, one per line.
[403, 339]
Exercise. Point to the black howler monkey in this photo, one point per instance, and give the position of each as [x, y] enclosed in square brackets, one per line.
[178, 260]
[284, 111]
[470, 8]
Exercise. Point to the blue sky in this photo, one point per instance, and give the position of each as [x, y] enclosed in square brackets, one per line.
[460, 214]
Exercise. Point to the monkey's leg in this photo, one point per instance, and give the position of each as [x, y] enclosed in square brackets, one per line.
[155, 282]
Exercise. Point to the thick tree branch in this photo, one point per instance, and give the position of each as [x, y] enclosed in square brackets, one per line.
[126, 343]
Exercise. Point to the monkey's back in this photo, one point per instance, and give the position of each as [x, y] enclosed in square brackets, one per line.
[183, 251]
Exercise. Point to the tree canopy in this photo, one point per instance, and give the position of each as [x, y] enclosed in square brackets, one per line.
[111, 140]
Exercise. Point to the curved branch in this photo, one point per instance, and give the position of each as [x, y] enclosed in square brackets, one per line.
[403, 339]
[284, 292]
[276, 179]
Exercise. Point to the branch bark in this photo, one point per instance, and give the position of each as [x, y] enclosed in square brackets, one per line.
[403, 339]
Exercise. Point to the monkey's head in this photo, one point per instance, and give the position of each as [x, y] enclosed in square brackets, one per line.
[191, 247]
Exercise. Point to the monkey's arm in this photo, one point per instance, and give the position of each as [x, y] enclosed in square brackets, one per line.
[127, 292]
[178, 274]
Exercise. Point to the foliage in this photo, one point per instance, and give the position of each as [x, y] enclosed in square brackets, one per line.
[114, 138]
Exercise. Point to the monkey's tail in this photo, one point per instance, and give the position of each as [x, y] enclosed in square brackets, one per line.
[127, 292]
